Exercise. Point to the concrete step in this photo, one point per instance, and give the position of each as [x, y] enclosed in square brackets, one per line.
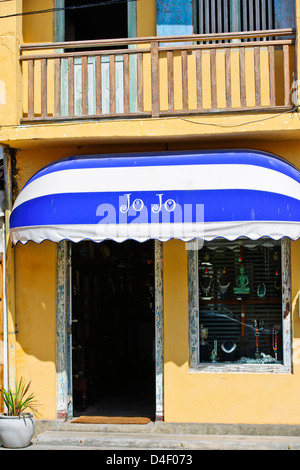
[110, 440]
[162, 427]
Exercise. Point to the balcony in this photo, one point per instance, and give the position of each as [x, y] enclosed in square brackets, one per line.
[158, 76]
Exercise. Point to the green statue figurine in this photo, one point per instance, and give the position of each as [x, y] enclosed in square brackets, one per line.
[242, 282]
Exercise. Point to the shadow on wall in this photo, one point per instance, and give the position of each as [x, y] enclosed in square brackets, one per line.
[35, 275]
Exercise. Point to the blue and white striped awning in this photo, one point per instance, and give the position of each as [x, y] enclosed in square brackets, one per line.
[183, 195]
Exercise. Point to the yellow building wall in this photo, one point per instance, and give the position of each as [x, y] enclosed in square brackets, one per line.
[36, 321]
[194, 397]
[14, 31]
[226, 398]
[10, 78]
[37, 27]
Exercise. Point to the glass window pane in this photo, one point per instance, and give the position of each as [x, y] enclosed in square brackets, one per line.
[240, 306]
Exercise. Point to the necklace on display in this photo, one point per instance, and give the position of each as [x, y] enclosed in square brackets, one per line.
[206, 289]
[228, 347]
[275, 340]
[261, 289]
[224, 287]
[277, 285]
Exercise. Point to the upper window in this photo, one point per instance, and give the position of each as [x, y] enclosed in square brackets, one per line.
[236, 304]
[84, 20]
[222, 16]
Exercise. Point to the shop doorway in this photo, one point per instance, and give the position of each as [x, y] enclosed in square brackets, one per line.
[113, 329]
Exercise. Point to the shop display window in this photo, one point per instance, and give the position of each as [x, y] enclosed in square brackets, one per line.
[237, 289]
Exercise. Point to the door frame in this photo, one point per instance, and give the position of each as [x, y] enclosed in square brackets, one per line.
[64, 401]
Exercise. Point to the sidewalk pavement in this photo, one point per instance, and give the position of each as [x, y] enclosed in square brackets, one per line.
[108, 441]
[160, 436]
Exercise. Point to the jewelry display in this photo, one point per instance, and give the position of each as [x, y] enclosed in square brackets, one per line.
[203, 334]
[203, 343]
[277, 285]
[240, 288]
[277, 282]
[228, 347]
[223, 284]
[223, 288]
[261, 290]
[206, 288]
[214, 353]
[243, 324]
[258, 323]
[205, 279]
[267, 263]
[213, 356]
[262, 359]
[275, 340]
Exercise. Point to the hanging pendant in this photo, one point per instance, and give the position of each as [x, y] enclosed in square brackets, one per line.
[261, 290]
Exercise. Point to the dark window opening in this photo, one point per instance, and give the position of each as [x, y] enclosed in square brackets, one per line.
[98, 22]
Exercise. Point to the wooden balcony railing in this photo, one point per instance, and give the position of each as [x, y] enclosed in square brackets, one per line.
[158, 76]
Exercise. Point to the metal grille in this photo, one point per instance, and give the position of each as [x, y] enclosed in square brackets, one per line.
[222, 16]
[257, 15]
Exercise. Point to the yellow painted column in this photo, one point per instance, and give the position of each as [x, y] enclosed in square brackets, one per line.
[10, 113]
[146, 18]
[10, 273]
[175, 286]
[10, 78]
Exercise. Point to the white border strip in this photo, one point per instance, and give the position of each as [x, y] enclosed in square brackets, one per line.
[163, 232]
[161, 178]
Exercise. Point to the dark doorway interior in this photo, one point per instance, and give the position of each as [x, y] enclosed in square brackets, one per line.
[113, 329]
[105, 21]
